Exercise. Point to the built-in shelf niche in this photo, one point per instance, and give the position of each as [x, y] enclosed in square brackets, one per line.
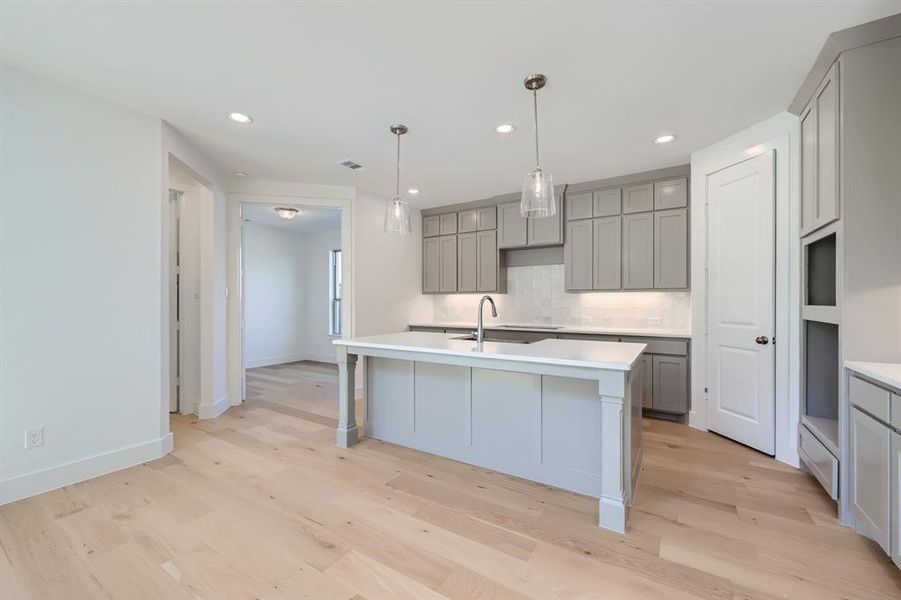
[821, 379]
[820, 292]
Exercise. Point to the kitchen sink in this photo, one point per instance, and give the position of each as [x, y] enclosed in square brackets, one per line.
[471, 338]
[548, 327]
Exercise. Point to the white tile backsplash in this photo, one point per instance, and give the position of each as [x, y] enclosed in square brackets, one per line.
[535, 296]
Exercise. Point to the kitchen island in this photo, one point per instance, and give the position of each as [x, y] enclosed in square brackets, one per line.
[560, 412]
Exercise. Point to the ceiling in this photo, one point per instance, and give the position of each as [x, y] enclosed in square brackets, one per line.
[310, 219]
[323, 81]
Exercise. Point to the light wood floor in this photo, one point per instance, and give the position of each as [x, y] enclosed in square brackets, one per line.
[259, 503]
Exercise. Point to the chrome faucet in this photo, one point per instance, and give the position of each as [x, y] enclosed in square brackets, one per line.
[480, 332]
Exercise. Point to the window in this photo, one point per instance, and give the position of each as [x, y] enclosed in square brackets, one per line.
[334, 292]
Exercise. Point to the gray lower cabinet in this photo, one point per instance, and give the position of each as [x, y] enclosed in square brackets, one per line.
[896, 497]
[447, 255]
[486, 259]
[638, 198]
[511, 226]
[871, 496]
[670, 383]
[578, 255]
[606, 256]
[638, 251]
[467, 262]
[671, 248]
[431, 265]
[647, 381]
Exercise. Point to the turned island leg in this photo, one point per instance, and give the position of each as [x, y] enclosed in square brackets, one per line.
[347, 421]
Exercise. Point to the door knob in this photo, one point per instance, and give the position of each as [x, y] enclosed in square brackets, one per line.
[762, 340]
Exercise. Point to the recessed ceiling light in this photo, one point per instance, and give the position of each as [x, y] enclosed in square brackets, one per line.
[505, 128]
[413, 191]
[665, 139]
[241, 174]
[240, 118]
[287, 213]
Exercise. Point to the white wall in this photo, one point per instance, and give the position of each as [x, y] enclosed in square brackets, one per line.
[80, 302]
[317, 340]
[780, 134]
[275, 295]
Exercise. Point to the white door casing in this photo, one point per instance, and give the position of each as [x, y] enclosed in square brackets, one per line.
[741, 301]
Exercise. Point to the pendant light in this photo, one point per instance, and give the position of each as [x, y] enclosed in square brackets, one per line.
[538, 185]
[397, 211]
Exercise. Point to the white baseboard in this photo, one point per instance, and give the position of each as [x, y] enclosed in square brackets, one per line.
[211, 411]
[31, 484]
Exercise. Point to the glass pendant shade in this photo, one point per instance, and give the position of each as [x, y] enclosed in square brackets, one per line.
[397, 217]
[538, 195]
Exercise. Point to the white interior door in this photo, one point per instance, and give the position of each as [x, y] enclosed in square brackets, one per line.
[741, 313]
[174, 362]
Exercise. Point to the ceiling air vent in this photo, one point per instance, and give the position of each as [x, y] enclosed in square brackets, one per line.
[350, 165]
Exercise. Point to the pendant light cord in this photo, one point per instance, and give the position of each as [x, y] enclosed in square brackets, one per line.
[535, 102]
[397, 178]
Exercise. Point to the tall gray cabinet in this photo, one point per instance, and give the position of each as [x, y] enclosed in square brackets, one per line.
[850, 219]
[459, 252]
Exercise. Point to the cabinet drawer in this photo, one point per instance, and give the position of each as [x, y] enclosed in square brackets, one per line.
[588, 337]
[660, 346]
[427, 329]
[819, 460]
[896, 415]
[868, 397]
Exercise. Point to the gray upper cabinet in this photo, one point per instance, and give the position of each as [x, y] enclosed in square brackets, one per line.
[431, 265]
[670, 384]
[546, 231]
[578, 255]
[638, 198]
[447, 224]
[607, 202]
[820, 155]
[448, 262]
[469, 220]
[487, 218]
[511, 226]
[671, 194]
[430, 226]
[607, 253]
[638, 251]
[671, 248]
[467, 261]
[486, 260]
[579, 206]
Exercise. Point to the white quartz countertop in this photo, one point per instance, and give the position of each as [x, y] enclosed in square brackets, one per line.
[619, 356]
[657, 332]
[887, 373]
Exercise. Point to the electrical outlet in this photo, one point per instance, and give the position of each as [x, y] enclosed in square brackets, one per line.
[34, 438]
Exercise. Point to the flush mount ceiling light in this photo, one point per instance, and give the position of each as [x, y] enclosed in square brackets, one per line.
[413, 191]
[665, 138]
[241, 118]
[397, 211]
[505, 128]
[287, 213]
[538, 186]
[241, 174]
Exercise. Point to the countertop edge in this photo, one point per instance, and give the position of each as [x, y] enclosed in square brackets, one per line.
[886, 373]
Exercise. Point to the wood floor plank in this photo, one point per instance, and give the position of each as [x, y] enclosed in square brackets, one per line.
[261, 503]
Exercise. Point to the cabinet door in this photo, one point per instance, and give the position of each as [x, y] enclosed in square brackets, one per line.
[487, 261]
[671, 248]
[430, 226]
[448, 263]
[467, 262]
[808, 168]
[638, 251]
[547, 230]
[827, 148]
[607, 251]
[487, 218]
[670, 383]
[511, 226]
[896, 498]
[671, 194]
[608, 202]
[638, 198]
[431, 265]
[647, 381]
[447, 224]
[870, 494]
[579, 206]
[469, 220]
[578, 254]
